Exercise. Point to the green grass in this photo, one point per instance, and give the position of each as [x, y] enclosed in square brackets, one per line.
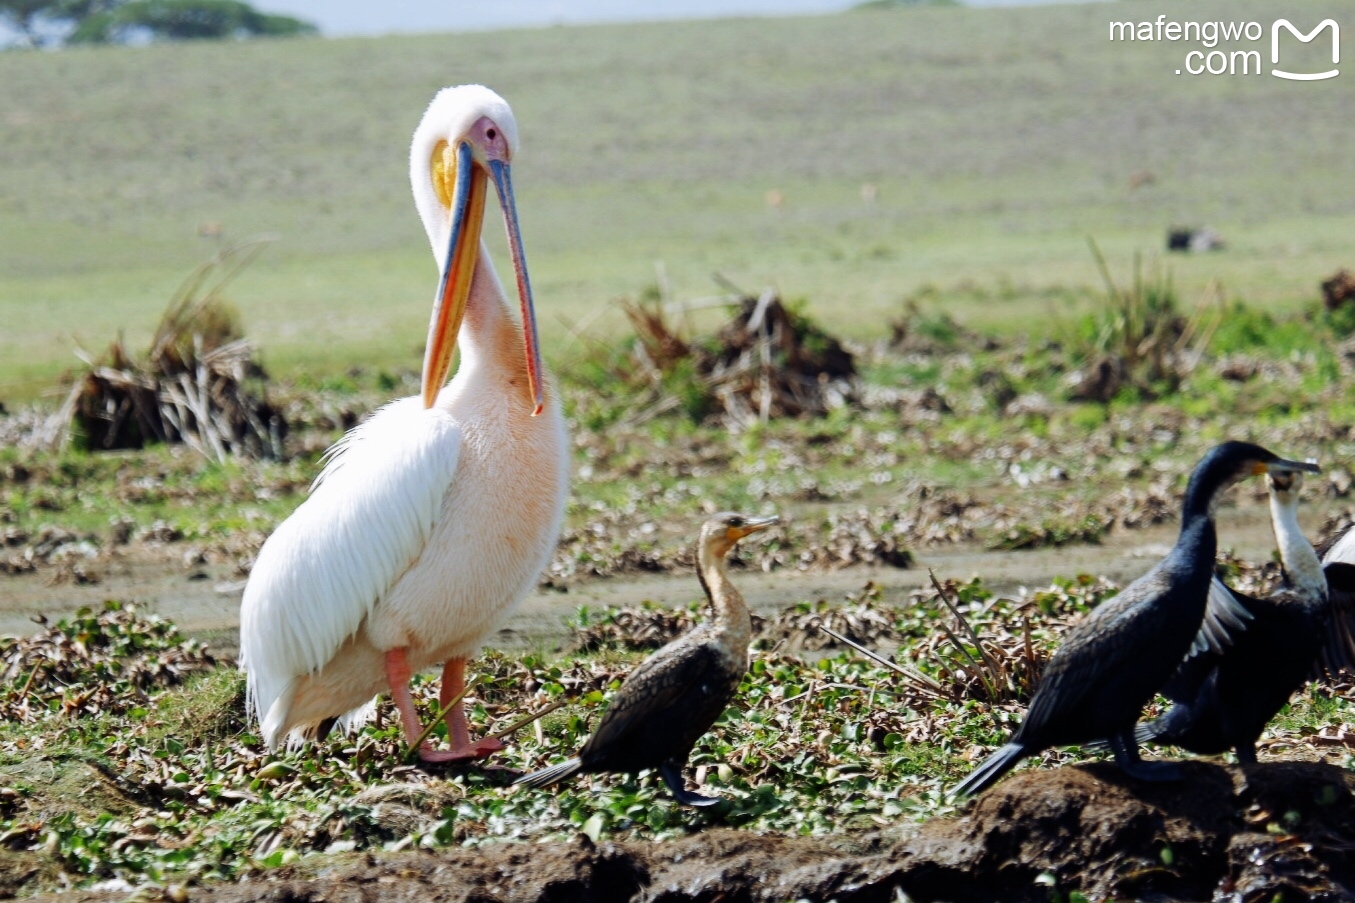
[875, 455]
[831, 746]
[821, 746]
[998, 141]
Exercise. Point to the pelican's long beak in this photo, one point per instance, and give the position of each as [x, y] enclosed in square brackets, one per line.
[503, 183]
[463, 186]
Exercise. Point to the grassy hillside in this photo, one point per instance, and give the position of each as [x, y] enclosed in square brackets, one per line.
[997, 141]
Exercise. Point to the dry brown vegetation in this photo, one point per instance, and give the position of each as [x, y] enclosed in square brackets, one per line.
[198, 384]
[767, 362]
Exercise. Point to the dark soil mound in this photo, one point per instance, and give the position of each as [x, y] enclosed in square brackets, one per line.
[1274, 831]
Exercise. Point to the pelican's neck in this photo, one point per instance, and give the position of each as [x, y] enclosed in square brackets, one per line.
[491, 341]
[1301, 564]
[731, 614]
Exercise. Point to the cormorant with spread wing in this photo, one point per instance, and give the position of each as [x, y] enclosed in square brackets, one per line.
[1112, 663]
[676, 694]
[1225, 697]
[1338, 566]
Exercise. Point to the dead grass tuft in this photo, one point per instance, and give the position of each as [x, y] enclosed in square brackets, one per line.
[767, 363]
[198, 385]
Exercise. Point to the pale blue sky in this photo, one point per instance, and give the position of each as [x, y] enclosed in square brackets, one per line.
[347, 18]
[338, 18]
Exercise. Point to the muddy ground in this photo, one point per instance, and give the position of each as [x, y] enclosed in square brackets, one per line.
[1281, 831]
[1272, 832]
[203, 599]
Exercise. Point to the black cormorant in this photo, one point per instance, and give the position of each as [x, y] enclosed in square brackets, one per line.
[676, 694]
[1225, 697]
[1112, 663]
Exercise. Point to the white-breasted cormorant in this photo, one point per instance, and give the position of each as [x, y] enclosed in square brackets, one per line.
[675, 695]
[1112, 663]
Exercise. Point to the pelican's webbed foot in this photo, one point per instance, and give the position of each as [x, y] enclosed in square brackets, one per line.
[672, 776]
[480, 749]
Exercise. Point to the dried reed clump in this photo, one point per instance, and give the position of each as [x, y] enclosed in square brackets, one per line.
[1339, 290]
[1141, 342]
[998, 666]
[767, 362]
[198, 385]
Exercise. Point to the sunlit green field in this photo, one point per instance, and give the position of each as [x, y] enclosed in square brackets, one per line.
[959, 158]
[995, 142]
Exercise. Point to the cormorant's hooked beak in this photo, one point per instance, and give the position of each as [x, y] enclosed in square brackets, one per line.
[465, 188]
[1288, 476]
[753, 525]
[1280, 466]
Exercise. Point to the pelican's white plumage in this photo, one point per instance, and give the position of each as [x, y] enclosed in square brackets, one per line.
[430, 521]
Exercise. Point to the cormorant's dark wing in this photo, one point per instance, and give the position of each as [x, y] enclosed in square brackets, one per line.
[1070, 677]
[1185, 683]
[1338, 648]
[669, 701]
[1225, 616]
[1109, 643]
[1227, 613]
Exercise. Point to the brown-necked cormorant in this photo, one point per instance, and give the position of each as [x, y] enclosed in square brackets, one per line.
[676, 694]
[1112, 663]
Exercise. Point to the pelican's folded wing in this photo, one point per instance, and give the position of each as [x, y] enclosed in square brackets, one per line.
[368, 518]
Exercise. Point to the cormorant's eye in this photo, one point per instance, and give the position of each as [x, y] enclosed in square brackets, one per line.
[736, 522]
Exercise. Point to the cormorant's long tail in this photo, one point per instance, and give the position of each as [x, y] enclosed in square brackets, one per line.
[551, 775]
[992, 770]
[1160, 730]
[1167, 728]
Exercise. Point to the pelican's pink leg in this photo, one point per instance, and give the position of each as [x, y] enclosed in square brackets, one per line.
[458, 731]
[397, 675]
